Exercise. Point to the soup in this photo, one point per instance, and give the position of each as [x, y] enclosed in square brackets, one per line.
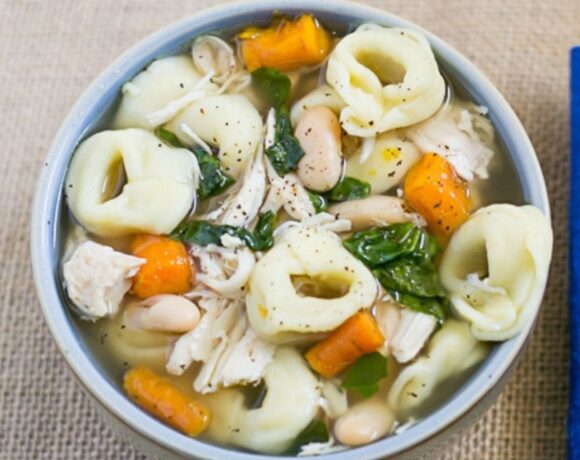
[296, 241]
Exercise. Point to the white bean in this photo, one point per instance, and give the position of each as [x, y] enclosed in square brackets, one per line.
[376, 210]
[364, 423]
[318, 132]
[167, 313]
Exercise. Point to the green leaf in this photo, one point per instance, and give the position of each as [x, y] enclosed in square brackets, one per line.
[318, 201]
[349, 188]
[437, 306]
[364, 375]
[213, 180]
[202, 233]
[402, 259]
[286, 152]
[263, 236]
[168, 137]
[405, 275]
[272, 85]
[316, 431]
[378, 246]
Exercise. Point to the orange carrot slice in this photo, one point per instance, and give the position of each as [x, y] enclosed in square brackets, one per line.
[285, 45]
[355, 337]
[168, 269]
[161, 399]
[433, 189]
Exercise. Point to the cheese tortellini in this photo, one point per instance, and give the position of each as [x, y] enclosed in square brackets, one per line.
[229, 122]
[388, 163]
[277, 311]
[451, 351]
[495, 269]
[160, 188]
[153, 89]
[388, 78]
[291, 402]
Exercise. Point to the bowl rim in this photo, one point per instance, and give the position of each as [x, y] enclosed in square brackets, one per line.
[46, 209]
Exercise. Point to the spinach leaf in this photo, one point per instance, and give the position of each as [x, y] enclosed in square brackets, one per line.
[203, 233]
[286, 152]
[405, 275]
[436, 306]
[213, 180]
[272, 85]
[349, 188]
[316, 431]
[364, 375]
[318, 201]
[378, 246]
[402, 259]
[263, 237]
[169, 137]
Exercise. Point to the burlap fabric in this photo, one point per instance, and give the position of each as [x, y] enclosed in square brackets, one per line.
[51, 49]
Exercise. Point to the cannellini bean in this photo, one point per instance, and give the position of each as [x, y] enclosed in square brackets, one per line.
[376, 210]
[364, 423]
[168, 313]
[318, 132]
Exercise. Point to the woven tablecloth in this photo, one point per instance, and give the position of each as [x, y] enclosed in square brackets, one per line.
[49, 52]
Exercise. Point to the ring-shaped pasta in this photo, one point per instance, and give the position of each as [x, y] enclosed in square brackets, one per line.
[153, 89]
[388, 77]
[279, 313]
[290, 404]
[451, 351]
[495, 269]
[159, 192]
[227, 121]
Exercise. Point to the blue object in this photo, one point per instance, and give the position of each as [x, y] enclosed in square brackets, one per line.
[574, 216]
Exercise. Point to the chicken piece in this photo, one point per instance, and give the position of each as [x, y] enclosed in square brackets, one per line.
[388, 315]
[463, 136]
[246, 204]
[413, 330]
[230, 351]
[247, 361]
[97, 277]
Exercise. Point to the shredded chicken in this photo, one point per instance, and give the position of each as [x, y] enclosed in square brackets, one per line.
[224, 270]
[287, 192]
[413, 330]
[230, 351]
[97, 277]
[247, 361]
[244, 208]
[462, 135]
[198, 344]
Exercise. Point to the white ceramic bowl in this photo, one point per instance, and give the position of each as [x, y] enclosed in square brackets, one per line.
[95, 105]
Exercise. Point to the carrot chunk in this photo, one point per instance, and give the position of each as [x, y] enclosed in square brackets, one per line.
[285, 45]
[433, 189]
[161, 399]
[168, 269]
[355, 337]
